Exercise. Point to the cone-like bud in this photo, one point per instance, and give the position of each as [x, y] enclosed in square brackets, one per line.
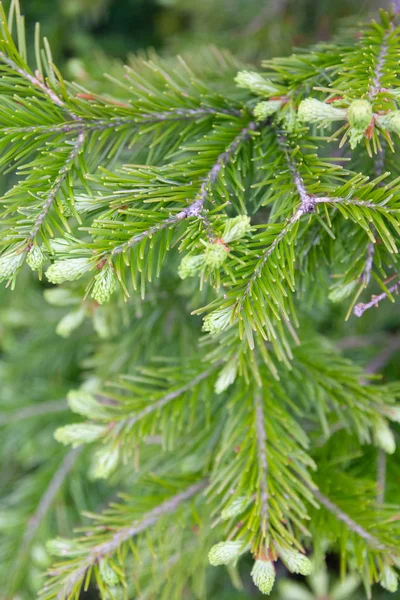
[85, 404]
[9, 265]
[61, 297]
[79, 433]
[388, 579]
[295, 561]
[36, 258]
[384, 437]
[190, 265]
[393, 413]
[105, 284]
[359, 114]
[215, 254]
[107, 573]
[236, 228]
[235, 508]
[70, 322]
[226, 377]
[266, 109]
[105, 462]
[314, 111]
[263, 575]
[390, 121]
[218, 320]
[224, 553]
[67, 270]
[256, 83]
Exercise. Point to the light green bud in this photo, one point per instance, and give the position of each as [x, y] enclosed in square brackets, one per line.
[236, 228]
[390, 121]
[359, 114]
[388, 579]
[295, 561]
[79, 433]
[190, 265]
[85, 404]
[225, 553]
[9, 265]
[384, 437]
[61, 297]
[215, 254]
[105, 461]
[218, 320]
[256, 83]
[263, 575]
[226, 377]
[235, 508]
[314, 111]
[105, 284]
[67, 270]
[266, 109]
[70, 322]
[36, 258]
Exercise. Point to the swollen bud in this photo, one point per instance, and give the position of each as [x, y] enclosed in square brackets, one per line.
[235, 508]
[105, 461]
[256, 83]
[9, 265]
[67, 270]
[36, 258]
[384, 437]
[236, 228]
[263, 575]
[190, 265]
[224, 553]
[266, 109]
[390, 121]
[64, 547]
[79, 433]
[359, 114]
[388, 579]
[218, 320]
[105, 284]
[295, 561]
[215, 254]
[315, 111]
[226, 377]
[70, 322]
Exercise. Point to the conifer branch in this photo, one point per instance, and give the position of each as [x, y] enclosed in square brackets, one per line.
[376, 82]
[35, 81]
[346, 519]
[195, 209]
[262, 461]
[117, 539]
[57, 185]
[361, 307]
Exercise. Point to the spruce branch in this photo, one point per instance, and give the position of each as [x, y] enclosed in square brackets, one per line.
[361, 307]
[71, 581]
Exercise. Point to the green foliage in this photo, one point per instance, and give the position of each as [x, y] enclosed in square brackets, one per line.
[256, 437]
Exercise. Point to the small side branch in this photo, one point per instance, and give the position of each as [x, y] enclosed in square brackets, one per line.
[262, 461]
[196, 207]
[106, 548]
[34, 410]
[56, 187]
[344, 518]
[361, 307]
[127, 424]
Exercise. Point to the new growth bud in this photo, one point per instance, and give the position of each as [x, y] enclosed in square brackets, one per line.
[215, 254]
[226, 377]
[315, 111]
[236, 228]
[390, 121]
[257, 83]
[295, 561]
[384, 437]
[359, 114]
[266, 109]
[225, 553]
[105, 284]
[36, 258]
[263, 575]
[190, 265]
[388, 579]
[9, 265]
[218, 320]
[79, 433]
[235, 508]
[67, 270]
